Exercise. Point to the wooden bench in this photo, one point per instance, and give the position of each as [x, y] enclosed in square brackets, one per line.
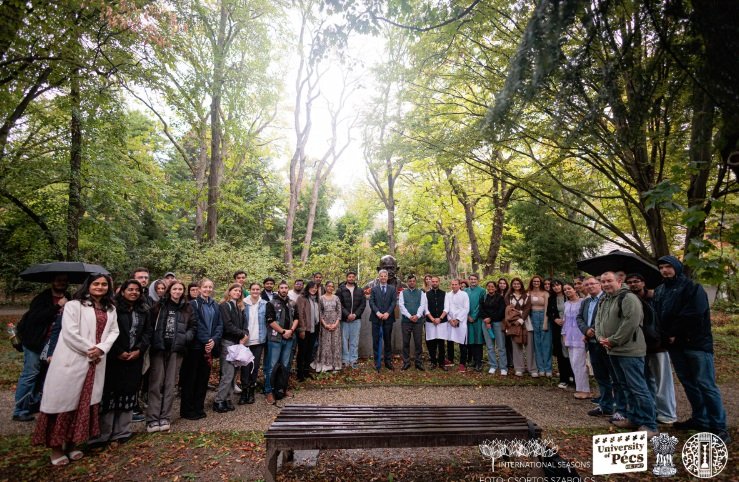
[320, 427]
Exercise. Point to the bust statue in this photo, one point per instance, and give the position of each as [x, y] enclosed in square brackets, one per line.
[389, 264]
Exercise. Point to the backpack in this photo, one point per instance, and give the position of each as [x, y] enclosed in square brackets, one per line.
[650, 324]
[278, 380]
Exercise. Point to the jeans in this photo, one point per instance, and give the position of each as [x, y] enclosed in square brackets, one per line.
[542, 343]
[611, 397]
[659, 380]
[695, 370]
[382, 331]
[639, 402]
[350, 341]
[279, 351]
[499, 343]
[24, 392]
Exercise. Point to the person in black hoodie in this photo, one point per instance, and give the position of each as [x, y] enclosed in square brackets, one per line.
[174, 331]
[234, 332]
[34, 330]
[124, 363]
[684, 317]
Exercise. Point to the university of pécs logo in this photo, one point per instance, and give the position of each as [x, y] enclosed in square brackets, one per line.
[664, 448]
[705, 455]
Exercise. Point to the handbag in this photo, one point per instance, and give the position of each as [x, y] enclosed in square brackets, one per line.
[527, 323]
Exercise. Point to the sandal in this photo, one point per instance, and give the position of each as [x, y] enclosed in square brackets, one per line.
[60, 461]
[75, 455]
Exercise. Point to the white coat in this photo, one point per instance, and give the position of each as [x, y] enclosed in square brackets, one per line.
[69, 364]
[457, 306]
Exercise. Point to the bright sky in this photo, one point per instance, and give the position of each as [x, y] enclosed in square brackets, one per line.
[349, 170]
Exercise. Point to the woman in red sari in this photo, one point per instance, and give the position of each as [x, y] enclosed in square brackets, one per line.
[74, 384]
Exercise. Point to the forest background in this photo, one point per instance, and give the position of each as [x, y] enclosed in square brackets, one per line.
[284, 137]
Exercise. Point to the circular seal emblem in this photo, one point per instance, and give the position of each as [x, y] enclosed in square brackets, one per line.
[705, 455]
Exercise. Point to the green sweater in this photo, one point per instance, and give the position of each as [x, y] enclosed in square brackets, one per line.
[620, 331]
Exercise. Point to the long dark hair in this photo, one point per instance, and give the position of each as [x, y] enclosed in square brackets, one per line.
[306, 290]
[83, 293]
[121, 302]
[510, 288]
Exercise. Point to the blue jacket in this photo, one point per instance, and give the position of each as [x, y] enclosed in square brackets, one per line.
[204, 331]
[262, 310]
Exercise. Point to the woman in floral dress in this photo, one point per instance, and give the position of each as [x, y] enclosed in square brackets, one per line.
[74, 383]
[328, 357]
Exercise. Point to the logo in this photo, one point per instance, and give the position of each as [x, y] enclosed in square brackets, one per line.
[619, 453]
[664, 448]
[517, 448]
[705, 455]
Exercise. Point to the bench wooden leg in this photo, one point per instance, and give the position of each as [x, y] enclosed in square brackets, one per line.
[271, 463]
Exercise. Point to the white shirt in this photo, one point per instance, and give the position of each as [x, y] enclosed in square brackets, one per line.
[421, 312]
[457, 306]
[293, 295]
[253, 321]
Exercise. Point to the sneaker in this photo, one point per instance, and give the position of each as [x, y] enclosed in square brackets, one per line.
[462, 368]
[138, 417]
[24, 418]
[504, 373]
[164, 426]
[541, 374]
[664, 421]
[152, 427]
[598, 412]
[237, 388]
[626, 423]
[519, 374]
[650, 433]
[549, 374]
[562, 385]
[448, 363]
[723, 435]
[491, 371]
[617, 417]
[534, 375]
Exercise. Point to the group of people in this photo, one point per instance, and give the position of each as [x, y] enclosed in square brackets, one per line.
[94, 356]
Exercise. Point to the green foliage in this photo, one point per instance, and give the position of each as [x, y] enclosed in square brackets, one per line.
[547, 245]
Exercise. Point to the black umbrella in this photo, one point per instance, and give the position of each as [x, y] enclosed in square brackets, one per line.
[77, 272]
[618, 260]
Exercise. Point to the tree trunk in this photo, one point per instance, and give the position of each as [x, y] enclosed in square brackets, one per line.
[201, 170]
[216, 156]
[311, 218]
[75, 209]
[700, 162]
[469, 219]
[451, 248]
[390, 207]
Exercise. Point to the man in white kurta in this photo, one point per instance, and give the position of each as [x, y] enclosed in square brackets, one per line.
[457, 307]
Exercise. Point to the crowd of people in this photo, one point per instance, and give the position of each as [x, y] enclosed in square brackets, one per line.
[94, 359]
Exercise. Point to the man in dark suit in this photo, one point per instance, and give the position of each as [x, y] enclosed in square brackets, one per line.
[382, 303]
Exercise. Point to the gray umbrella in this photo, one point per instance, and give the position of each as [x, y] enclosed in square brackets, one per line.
[46, 272]
[618, 260]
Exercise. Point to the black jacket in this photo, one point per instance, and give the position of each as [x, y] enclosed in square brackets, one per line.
[435, 302]
[234, 327]
[351, 303]
[681, 306]
[184, 333]
[493, 307]
[35, 323]
[123, 377]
